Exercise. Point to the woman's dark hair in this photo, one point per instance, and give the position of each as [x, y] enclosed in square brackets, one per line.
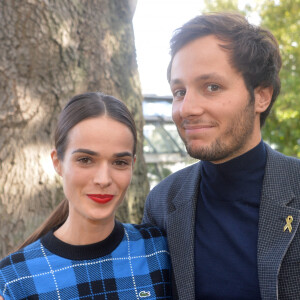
[254, 51]
[79, 108]
[90, 105]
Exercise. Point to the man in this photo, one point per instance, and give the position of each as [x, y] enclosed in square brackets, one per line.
[232, 220]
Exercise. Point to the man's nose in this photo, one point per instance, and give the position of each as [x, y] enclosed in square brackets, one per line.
[192, 105]
[103, 175]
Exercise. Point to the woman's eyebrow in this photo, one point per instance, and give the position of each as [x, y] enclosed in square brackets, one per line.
[90, 152]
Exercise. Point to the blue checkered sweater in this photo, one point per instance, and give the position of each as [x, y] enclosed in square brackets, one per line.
[132, 263]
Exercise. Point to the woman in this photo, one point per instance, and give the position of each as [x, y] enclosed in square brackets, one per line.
[82, 252]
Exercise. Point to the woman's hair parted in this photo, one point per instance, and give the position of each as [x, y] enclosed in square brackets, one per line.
[90, 105]
[79, 108]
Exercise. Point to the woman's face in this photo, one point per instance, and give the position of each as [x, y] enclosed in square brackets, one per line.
[96, 169]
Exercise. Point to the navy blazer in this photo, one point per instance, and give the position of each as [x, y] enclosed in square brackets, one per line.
[172, 205]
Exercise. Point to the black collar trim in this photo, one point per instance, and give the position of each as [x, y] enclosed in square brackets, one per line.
[84, 252]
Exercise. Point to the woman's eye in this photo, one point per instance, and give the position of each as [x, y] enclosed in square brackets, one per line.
[213, 87]
[84, 160]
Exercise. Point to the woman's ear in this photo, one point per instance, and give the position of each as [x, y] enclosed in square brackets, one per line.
[263, 97]
[134, 159]
[56, 162]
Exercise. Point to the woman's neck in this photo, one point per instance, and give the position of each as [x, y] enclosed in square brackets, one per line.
[84, 232]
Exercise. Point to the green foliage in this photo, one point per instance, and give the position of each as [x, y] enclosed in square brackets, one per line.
[282, 18]
[220, 5]
[283, 126]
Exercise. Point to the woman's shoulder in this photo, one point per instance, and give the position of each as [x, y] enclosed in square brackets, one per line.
[147, 241]
[145, 236]
[144, 249]
[17, 264]
[20, 256]
[145, 231]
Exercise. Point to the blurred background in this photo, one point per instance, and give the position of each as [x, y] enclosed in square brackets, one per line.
[52, 50]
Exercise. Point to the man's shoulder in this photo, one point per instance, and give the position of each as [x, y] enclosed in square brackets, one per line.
[160, 200]
[278, 160]
[177, 179]
[282, 171]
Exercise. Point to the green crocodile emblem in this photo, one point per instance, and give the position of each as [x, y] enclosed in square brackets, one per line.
[144, 294]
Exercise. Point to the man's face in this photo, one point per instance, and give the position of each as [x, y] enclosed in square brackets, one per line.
[212, 109]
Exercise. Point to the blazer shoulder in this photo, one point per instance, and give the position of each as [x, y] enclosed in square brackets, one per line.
[159, 202]
[282, 173]
[176, 180]
[279, 161]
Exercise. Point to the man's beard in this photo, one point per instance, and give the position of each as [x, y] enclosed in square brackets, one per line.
[232, 140]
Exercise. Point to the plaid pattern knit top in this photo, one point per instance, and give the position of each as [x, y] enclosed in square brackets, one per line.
[131, 263]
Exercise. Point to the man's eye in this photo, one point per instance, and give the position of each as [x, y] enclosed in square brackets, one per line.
[121, 163]
[213, 87]
[179, 93]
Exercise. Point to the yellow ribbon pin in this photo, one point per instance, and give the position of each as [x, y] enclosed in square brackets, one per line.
[288, 224]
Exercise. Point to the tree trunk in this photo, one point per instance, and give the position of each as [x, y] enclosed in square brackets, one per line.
[49, 51]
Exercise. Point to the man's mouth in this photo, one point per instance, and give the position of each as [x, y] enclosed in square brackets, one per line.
[198, 124]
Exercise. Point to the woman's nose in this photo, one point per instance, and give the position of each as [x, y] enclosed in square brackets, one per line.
[103, 176]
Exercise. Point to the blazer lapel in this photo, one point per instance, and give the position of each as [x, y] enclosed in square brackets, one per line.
[181, 228]
[273, 241]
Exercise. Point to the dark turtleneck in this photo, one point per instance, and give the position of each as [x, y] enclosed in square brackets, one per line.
[227, 227]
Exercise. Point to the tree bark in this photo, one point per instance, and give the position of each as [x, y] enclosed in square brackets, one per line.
[49, 51]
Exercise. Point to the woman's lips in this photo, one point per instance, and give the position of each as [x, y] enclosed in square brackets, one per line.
[99, 198]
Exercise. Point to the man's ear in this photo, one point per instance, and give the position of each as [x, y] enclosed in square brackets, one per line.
[56, 162]
[263, 97]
